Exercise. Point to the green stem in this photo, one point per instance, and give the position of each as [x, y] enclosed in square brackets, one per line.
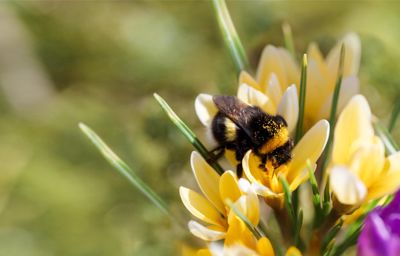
[388, 141]
[124, 169]
[302, 99]
[394, 116]
[189, 134]
[288, 37]
[332, 117]
[230, 36]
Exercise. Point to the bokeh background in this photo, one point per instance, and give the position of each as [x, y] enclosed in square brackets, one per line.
[62, 62]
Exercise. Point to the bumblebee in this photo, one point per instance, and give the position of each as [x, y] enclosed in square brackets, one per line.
[241, 127]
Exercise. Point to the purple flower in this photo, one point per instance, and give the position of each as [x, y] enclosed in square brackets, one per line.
[381, 232]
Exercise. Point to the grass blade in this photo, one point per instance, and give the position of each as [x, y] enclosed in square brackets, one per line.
[331, 235]
[387, 139]
[288, 199]
[124, 169]
[394, 116]
[332, 117]
[230, 36]
[302, 99]
[255, 230]
[189, 134]
[288, 37]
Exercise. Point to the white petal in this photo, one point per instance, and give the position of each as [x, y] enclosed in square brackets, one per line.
[205, 108]
[273, 89]
[254, 97]
[204, 233]
[352, 55]
[262, 190]
[346, 186]
[289, 107]
[244, 185]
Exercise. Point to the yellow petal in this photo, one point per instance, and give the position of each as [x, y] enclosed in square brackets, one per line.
[317, 91]
[246, 78]
[313, 53]
[203, 252]
[205, 108]
[205, 233]
[389, 181]
[293, 251]
[264, 247]
[302, 177]
[249, 206]
[354, 123]
[251, 168]
[200, 207]
[289, 107]
[207, 179]
[291, 67]
[309, 147]
[273, 90]
[238, 232]
[368, 160]
[229, 187]
[271, 62]
[347, 187]
[254, 97]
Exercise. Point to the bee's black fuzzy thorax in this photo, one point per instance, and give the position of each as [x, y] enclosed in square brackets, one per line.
[242, 127]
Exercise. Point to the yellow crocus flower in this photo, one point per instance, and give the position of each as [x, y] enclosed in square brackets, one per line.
[322, 75]
[359, 170]
[212, 208]
[277, 71]
[266, 182]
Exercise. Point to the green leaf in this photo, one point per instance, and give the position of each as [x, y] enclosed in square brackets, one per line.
[255, 230]
[288, 37]
[313, 180]
[124, 169]
[349, 240]
[387, 139]
[299, 224]
[394, 116]
[288, 199]
[331, 235]
[332, 117]
[189, 134]
[302, 99]
[231, 38]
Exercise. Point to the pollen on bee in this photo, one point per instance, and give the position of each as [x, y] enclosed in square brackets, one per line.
[280, 138]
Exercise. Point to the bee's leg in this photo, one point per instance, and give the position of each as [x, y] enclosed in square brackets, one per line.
[239, 170]
[264, 159]
[217, 152]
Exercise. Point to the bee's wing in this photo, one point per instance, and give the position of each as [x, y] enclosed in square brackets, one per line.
[235, 109]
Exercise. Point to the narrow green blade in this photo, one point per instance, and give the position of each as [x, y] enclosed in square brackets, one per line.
[230, 36]
[256, 232]
[332, 117]
[189, 134]
[388, 141]
[124, 169]
[302, 99]
[394, 116]
[288, 37]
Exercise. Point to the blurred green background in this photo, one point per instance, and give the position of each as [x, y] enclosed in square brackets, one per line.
[62, 62]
